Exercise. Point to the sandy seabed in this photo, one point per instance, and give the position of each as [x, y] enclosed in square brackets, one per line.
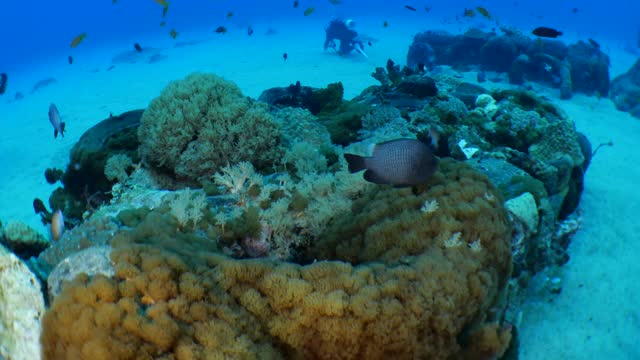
[596, 316]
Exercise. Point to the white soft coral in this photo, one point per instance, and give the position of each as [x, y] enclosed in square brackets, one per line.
[236, 177]
[188, 206]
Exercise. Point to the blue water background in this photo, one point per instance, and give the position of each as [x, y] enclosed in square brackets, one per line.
[34, 32]
[37, 33]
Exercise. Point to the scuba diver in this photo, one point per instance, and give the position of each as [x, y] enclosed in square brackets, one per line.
[342, 29]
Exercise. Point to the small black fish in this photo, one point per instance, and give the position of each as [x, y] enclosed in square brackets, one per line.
[546, 32]
[110, 68]
[70, 59]
[295, 4]
[410, 8]
[369, 43]
[3, 83]
[574, 10]
[400, 162]
[137, 47]
[221, 30]
[594, 43]
[250, 31]
[285, 56]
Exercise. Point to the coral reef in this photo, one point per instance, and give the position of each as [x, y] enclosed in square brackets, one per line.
[117, 167]
[316, 100]
[519, 130]
[294, 211]
[468, 93]
[406, 83]
[273, 250]
[157, 306]
[326, 100]
[22, 240]
[344, 122]
[295, 95]
[401, 283]
[201, 123]
[589, 68]
[300, 125]
[90, 261]
[498, 53]
[625, 90]
[52, 175]
[580, 67]
[86, 186]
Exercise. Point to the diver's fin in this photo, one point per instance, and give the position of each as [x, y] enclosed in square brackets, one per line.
[359, 49]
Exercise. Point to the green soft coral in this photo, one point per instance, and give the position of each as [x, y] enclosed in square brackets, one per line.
[203, 122]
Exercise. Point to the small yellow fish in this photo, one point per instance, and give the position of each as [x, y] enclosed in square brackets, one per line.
[165, 10]
[173, 33]
[385, 23]
[483, 12]
[163, 23]
[78, 39]
[309, 11]
[469, 13]
[229, 15]
[57, 225]
[162, 2]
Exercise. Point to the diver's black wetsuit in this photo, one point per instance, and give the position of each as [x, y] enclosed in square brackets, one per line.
[338, 30]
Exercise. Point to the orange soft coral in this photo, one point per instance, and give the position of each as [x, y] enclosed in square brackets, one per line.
[186, 317]
[392, 281]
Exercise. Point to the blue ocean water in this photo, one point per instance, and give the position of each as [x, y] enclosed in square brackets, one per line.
[34, 31]
[38, 35]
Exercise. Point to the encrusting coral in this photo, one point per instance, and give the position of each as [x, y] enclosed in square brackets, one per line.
[201, 123]
[157, 306]
[385, 282]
